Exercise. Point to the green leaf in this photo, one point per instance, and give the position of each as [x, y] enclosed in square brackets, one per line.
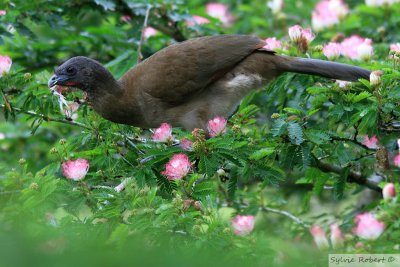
[259, 154]
[278, 128]
[106, 4]
[295, 133]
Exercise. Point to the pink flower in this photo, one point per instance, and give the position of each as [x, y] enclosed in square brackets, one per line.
[2, 136]
[342, 84]
[295, 32]
[298, 34]
[186, 144]
[357, 48]
[3, 12]
[197, 20]
[221, 12]
[389, 191]
[275, 5]
[125, 18]
[370, 142]
[243, 225]
[332, 50]
[75, 169]
[319, 237]
[177, 167]
[5, 64]
[328, 13]
[216, 126]
[396, 160]
[337, 238]
[367, 227]
[359, 244]
[149, 31]
[163, 133]
[395, 47]
[70, 112]
[272, 43]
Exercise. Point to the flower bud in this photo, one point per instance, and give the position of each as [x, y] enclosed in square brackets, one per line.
[34, 186]
[389, 191]
[53, 150]
[63, 141]
[375, 77]
[275, 116]
[22, 161]
[27, 76]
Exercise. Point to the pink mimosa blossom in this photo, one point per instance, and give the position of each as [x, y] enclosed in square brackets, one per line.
[357, 48]
[126, 18]
[295, 32]
[343, 84]
[70, 112]
[163, 133]
[272, 43]
[275, 5]
[243, 225]
[216, 126]
[75, 169]
[319, 237]
[395, 47]
[221, 12]
[177, 167]
[149, 32]
[396, 160]
[5, 64]
[389, 191]
[332, 50]
[367, 226]
[370, 142]
[186, 144]
[302, 37]
[3, 12]
[375, 77]
[328, 13]
[197, 20]
[337, 237]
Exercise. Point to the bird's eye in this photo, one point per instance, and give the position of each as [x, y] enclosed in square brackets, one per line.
[71, 70]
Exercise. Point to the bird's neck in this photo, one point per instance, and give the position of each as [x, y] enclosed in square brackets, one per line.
[111, 99]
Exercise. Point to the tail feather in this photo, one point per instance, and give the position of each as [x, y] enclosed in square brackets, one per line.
[324, 68]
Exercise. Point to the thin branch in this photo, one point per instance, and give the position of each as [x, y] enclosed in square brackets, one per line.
[48, 118]
[139, 49]
[353, 177]
[287, 214]
[353, 140]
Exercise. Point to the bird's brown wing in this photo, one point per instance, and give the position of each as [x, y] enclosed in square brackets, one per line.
[184, 69]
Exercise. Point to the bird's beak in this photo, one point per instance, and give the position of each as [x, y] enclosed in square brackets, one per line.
[57, 80]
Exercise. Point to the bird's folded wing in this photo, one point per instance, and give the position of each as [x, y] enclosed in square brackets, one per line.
[180, 71]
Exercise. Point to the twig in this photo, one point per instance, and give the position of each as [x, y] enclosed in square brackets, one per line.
[287, 214]
[139, 49]
[47, 118]
[353, 140]
[353, 177]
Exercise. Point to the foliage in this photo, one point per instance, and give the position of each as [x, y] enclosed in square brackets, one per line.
[294, 146]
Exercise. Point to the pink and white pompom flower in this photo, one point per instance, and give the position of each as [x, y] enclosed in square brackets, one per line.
[389, 191]
[220, 11]
[177, 167]
[319, 237]
[243, 224]
[328, 13]
[337, 237]
[332, 50]
[5, 64]
[367, 226]
[357, 48]
[216, 126]
[75, 169]
[272, 43]
[370, 142]
[163, 133]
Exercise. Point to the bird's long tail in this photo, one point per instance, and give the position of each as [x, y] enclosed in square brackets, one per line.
[323, 68]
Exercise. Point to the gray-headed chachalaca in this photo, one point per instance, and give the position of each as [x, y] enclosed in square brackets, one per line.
[189, 83]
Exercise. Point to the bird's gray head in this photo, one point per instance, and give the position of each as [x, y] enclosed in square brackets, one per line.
[80, 72]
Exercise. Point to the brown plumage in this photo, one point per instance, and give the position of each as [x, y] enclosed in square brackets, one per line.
[189, 83]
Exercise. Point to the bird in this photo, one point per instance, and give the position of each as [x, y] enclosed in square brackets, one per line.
[189, 83]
